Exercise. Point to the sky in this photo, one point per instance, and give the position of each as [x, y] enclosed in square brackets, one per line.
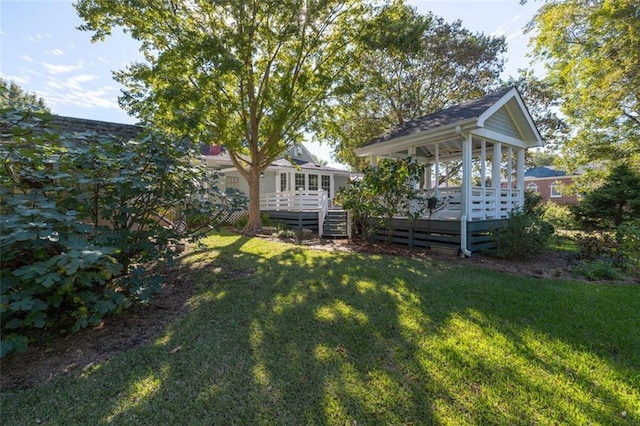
[42, 50]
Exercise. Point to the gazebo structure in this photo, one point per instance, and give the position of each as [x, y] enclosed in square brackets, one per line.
[486, 139]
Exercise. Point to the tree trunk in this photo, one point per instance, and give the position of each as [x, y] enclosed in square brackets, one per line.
[254, 224]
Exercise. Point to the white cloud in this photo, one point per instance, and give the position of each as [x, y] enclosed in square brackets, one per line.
[61, 69]
[504, 28]
[514, 35]
[75, 82]
[38, 37]
[55, 84]
[26, 58]
[22, 80]
[55, 52]
[102, 97]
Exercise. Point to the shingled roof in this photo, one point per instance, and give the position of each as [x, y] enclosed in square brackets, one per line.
[73, 124]
[543, 172]
[449, 116]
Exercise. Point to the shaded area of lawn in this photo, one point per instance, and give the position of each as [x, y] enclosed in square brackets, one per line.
[280, 334]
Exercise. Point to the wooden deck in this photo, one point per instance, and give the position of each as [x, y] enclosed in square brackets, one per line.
[423, 233]
[489, 209]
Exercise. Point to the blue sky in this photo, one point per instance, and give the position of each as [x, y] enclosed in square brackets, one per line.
[42, 51]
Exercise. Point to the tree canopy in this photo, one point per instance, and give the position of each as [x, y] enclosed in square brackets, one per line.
[590, 50]
[412, 65]
[14, 96]
[248, 74]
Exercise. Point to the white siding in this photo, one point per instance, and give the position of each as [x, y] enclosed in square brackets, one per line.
[501, 122]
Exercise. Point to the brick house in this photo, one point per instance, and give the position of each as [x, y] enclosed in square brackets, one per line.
[550, 183]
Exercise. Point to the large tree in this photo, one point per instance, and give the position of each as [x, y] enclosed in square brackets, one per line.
[247, 74]
[412, 65]
[590, 49]
[14, 96]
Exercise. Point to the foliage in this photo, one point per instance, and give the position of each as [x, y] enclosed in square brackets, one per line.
[82, 217]
[558, 215]
[411, 65]
[383, 192]
[598, 270]
[250, 75]
[616, 201]
[591, 53]
[543, 102]
[13, 96]
[603, 257]
[524, 235]
[628, 236]
[533, 203]
[602, 245]
[346, 338]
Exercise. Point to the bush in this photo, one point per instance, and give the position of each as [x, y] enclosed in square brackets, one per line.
[81, 219]
[628, 236]
[523, 236]
[382, 193]
[599, 270]
[558, 215]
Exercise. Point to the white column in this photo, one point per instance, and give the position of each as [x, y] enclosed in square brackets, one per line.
[483, 176]
[483, 163]
[509, 167]
[466, 176]
[510, 178]
[496, 163]
[437, 167]
[520, 177]
[332, 187]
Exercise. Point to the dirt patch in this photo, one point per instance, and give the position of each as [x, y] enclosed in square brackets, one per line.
[57, 356]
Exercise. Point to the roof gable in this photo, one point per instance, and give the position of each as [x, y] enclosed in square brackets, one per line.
[446, 117]
[501, 115]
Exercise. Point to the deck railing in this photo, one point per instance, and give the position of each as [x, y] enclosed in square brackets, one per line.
[486, 203]
[298, 201]
[295, 201]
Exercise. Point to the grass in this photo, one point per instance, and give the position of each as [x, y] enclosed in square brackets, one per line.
[279, 334]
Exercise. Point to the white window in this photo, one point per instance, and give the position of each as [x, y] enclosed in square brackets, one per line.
[283, 182]
[300, 181]
[554, 190]
[326, 184]
[232, 182]
[532, 187]
[313, 182]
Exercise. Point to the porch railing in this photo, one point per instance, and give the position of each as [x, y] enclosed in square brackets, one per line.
[298, 201]
[486, 203]
[295, 201]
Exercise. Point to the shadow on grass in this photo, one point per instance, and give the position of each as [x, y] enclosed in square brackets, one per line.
[280, 334]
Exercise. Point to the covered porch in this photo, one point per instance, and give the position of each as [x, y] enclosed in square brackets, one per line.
[473, 158]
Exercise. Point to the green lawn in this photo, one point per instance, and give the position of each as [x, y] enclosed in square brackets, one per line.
[278, 334]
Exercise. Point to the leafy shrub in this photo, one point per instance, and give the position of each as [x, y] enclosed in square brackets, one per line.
[598, 270]
[81, 219]
[628, 236]
[600, 245]
[558, 215]
[382, 193]
[533, 203]
[524, 235]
